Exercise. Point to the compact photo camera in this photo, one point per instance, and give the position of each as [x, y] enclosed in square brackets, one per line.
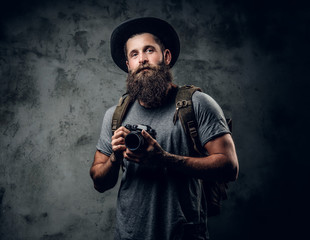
[134, 141]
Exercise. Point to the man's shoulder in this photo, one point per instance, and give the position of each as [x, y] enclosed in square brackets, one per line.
[111, 109]
[204, 102]
[109, 112]
[202, 97]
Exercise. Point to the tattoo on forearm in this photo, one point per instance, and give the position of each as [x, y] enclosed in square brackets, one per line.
[175, 159]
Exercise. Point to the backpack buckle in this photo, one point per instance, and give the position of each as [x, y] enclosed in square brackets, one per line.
[192, 129]
[183, 103]
[114, 125]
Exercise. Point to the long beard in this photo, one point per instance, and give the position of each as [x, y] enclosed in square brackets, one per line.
[150, 87]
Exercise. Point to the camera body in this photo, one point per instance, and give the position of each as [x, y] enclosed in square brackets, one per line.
[134, 141]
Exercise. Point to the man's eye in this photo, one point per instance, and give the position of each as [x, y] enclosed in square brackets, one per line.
[150, 50]
[134, 54]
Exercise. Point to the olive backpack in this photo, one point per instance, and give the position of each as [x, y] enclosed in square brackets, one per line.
[214, 191]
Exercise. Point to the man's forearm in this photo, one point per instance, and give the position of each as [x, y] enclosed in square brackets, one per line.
[215, 167]
[105, 174]
[221, 164]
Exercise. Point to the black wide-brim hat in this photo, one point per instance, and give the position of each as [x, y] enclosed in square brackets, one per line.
[160, 28]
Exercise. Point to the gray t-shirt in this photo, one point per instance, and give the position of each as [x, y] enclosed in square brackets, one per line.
[159, 202]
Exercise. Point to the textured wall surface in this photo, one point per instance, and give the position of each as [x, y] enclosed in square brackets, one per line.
[58, 78]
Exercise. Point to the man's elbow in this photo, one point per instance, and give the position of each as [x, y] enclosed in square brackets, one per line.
[99, 188]
[233, 171]
[100, 185]
[96, 181]
[234, 174]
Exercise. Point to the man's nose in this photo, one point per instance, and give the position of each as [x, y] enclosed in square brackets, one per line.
[143, 59]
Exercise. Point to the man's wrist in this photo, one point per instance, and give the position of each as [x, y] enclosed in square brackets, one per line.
[172, 159]
[115, 158]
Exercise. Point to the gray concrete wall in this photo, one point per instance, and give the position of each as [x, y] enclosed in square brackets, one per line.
[58, 78]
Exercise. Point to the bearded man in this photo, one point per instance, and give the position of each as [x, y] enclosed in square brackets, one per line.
[160, 195]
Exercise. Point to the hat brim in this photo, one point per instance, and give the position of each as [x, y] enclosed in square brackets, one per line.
[160, 28]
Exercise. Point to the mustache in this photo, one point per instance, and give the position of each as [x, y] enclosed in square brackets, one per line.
[144, 67]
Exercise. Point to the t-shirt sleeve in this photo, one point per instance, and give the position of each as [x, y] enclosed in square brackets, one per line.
[210, 117]
[104, 142]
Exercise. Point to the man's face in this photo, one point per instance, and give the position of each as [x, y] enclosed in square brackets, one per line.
[143, 50]
[149, 76]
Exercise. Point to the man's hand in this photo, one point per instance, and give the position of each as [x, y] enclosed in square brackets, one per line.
[118, 143]
[105, 169]
[152, 154]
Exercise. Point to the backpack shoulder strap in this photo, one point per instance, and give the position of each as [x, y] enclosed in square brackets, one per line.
[120, 111]
[185, 112]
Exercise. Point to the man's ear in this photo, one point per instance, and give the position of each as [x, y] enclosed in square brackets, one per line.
[167, 56]
[127, 63]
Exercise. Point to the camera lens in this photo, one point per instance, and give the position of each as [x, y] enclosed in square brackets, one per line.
[134, 141]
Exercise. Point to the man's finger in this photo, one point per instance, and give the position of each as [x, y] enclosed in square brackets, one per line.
[147, 136]
[121, 132]
[118, 141]
[131, 158]
[117, 148]
[134, 154]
